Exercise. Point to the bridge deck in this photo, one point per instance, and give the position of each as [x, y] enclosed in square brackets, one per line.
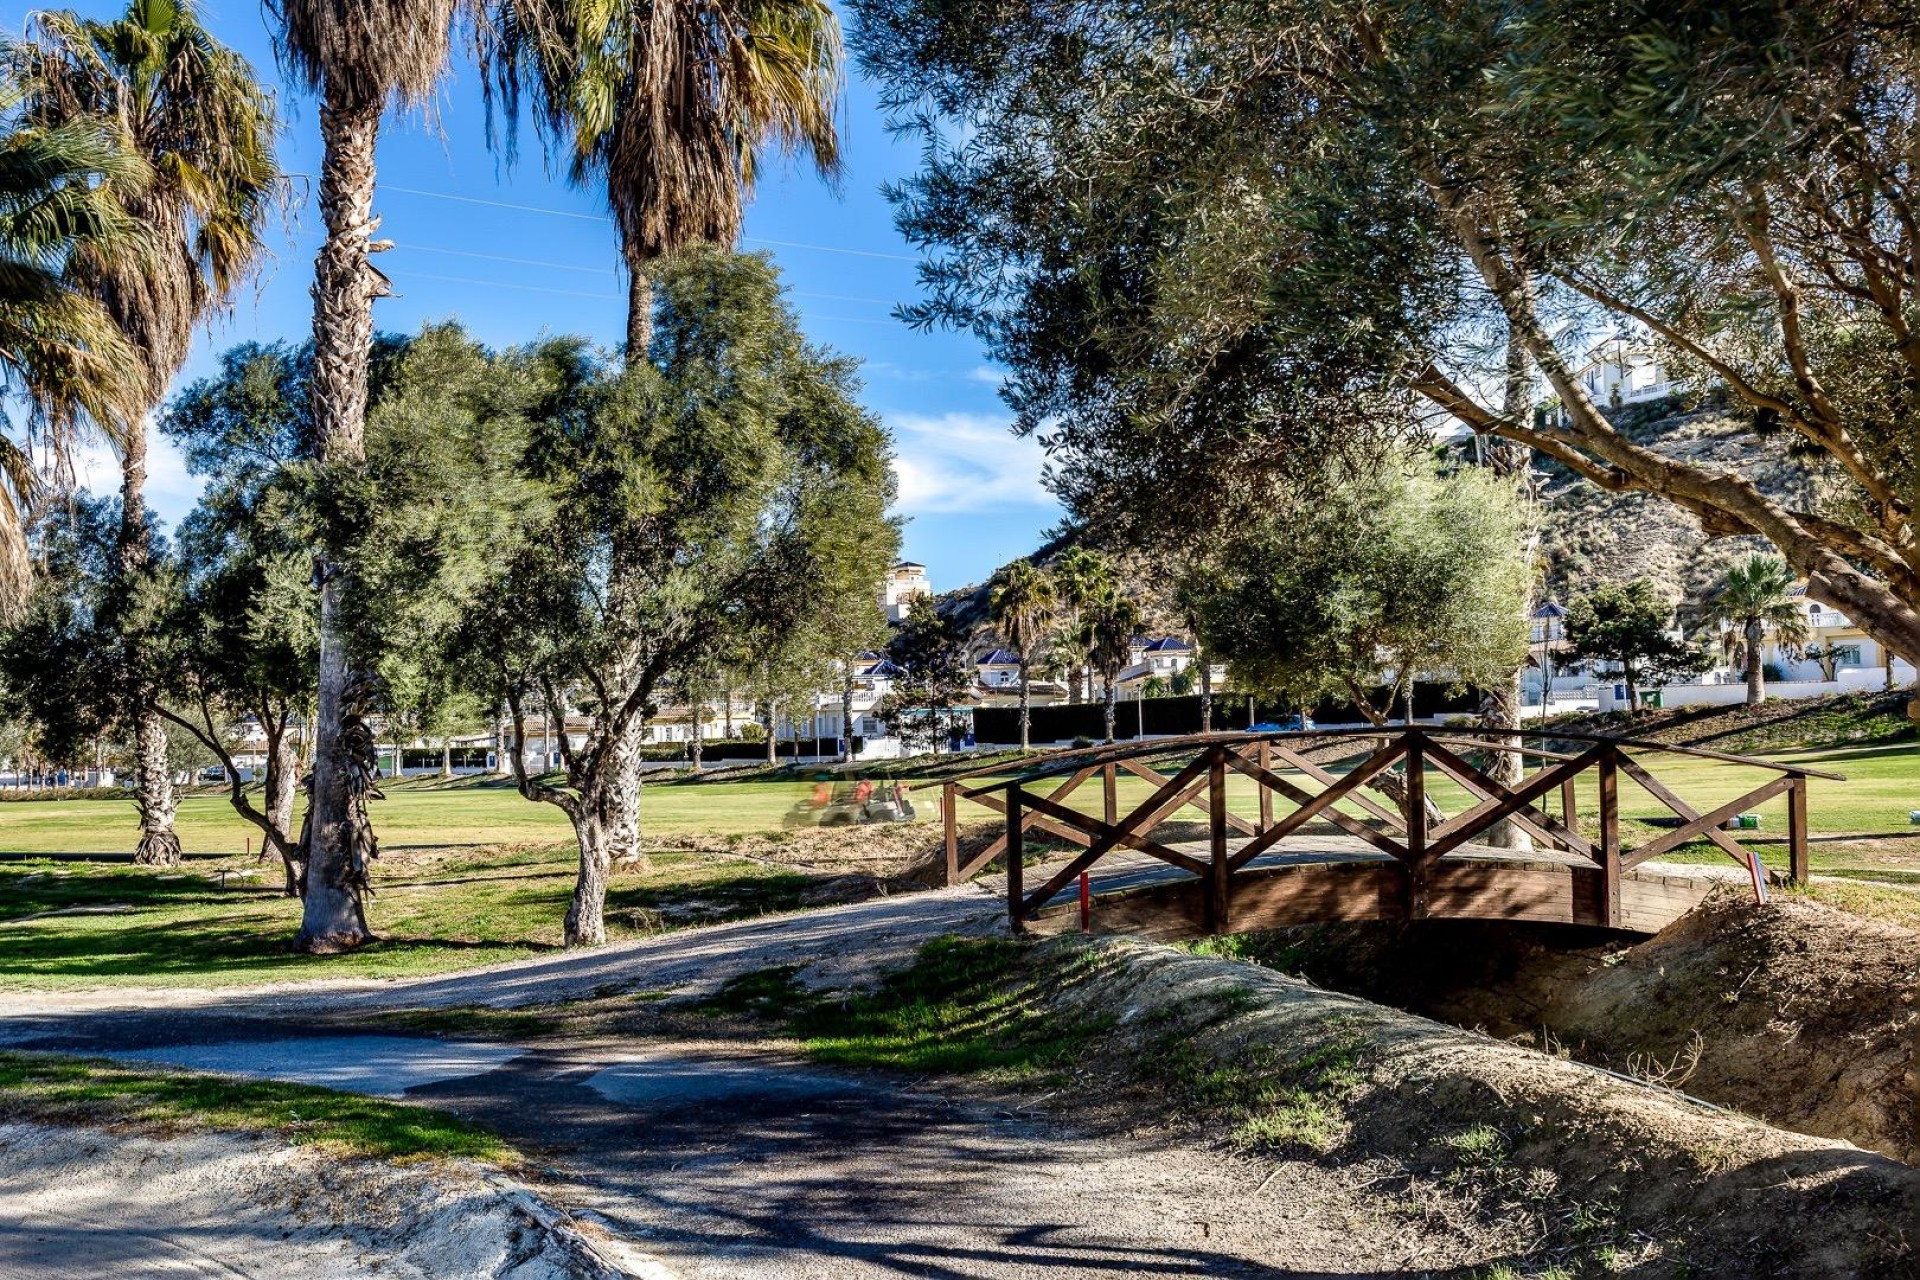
[1320, 876]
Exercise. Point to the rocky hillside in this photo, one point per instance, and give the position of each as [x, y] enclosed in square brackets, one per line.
[1589, 535]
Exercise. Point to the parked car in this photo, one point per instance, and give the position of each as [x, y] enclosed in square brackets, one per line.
[1292, 724]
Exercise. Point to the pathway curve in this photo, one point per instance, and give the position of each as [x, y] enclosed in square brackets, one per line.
[727, 1160]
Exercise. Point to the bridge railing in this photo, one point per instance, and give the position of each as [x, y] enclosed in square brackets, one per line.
[1035, 799]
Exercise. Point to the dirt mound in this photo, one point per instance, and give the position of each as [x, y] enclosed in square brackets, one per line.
[1797, 1013]
[90, 1202]
[1566, 1164]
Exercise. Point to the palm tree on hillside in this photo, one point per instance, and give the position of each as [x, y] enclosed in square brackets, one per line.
[1755, 602]
[1111, 619]
[1081, 577]
[60, 197]
[1023, 604]
[358, 56]
[667, 106]
[194, 112]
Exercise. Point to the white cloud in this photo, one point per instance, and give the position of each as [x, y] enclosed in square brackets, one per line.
[987, 374]
[956, 463]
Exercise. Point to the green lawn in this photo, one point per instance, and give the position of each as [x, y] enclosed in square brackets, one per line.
[416, 813]
[81, 924]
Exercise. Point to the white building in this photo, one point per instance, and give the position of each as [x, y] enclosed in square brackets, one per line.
[1621, 371]
[905, 583]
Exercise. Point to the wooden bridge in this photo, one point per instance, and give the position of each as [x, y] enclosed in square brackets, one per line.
[1338, 853]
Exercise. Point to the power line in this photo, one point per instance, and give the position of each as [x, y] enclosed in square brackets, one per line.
[607, 271]
[595, 217]
[597, 297]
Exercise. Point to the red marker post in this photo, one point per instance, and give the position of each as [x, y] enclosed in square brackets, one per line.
[1086, 905]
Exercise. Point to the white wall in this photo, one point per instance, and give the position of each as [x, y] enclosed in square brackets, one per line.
[1852, 680]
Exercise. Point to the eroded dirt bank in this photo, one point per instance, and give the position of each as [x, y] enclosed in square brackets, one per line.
[1577, 1166]
[83, 1202]
[1802, 1015]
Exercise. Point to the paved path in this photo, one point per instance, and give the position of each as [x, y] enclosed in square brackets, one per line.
[728, 1161]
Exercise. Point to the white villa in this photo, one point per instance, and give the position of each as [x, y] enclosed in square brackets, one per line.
[1621, 371]
[905, 583]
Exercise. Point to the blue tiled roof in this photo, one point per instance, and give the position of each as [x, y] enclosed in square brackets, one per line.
[1168, 644]
[883, 668]
[1550, 610]
[1000, 658]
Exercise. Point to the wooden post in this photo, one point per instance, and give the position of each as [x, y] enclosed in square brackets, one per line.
[1569, 806]
[1797, 853]
[1016, 855]
[1109, 785]
[950, 822]
[1266, 796]
[1416, 823]
[1219, 873]
[1608, 772]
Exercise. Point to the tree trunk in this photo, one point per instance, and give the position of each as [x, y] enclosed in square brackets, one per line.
[846, 715]
[623, 804]
[1756, 673]
[1502, 707]
[1633, 690]
[1206, 692]
[340, 840]
[773, 748]
[446, 757]
[1110, 706]
[277, 793]
[639, 304]
[586, 924]
[1501, 710]
[1026, 707]
[159, 846]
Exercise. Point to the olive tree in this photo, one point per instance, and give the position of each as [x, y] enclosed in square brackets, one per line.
[705, 499]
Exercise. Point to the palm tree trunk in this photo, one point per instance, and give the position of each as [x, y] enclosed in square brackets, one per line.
[1756, 673]
[159, 846]
[344, 288]
[1110, 707]
[1206, 691]
[1026, 711]
[639, 305]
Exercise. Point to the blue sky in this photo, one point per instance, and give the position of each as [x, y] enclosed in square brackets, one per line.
[515, 253]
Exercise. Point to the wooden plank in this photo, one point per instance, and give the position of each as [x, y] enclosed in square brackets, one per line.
[1395, 823]
[1110, 789]
[1462, 827]
[1569, 807]
[1219, 871]
[1798, 857]
[950, 828]
[1016, 859]
[1265, 760]
[1688, 830]
[1681, 809]
[1312, 806]
[1154, 776]
[1417, 856]
[1611, 868]
[1484, 891]
[1534, 820]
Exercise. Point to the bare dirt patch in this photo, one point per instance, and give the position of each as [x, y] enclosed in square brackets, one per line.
[1565, 1164]
[1798, 1013]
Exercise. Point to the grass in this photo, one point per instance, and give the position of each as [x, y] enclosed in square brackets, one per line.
[63, 1090]
[1893, 906]
[963, 1005]
[418, 812]
[71, 924]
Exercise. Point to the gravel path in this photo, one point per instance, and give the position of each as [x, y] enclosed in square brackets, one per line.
[729, 1161]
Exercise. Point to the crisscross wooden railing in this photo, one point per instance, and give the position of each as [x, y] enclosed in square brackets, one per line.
[1035, 799]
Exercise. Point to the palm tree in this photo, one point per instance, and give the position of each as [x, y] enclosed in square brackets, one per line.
[61, 189]
[194, 112]
[357, 55]
[1756, 601]
[667, 105]
[1081, 577]
[1111, 619]
[1023, 604]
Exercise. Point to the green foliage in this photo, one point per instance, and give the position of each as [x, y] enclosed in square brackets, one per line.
[1626, 626]
[1405, 570]
[90, 1091]
[1756, 602]
[963, 1005]
[929, 647]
